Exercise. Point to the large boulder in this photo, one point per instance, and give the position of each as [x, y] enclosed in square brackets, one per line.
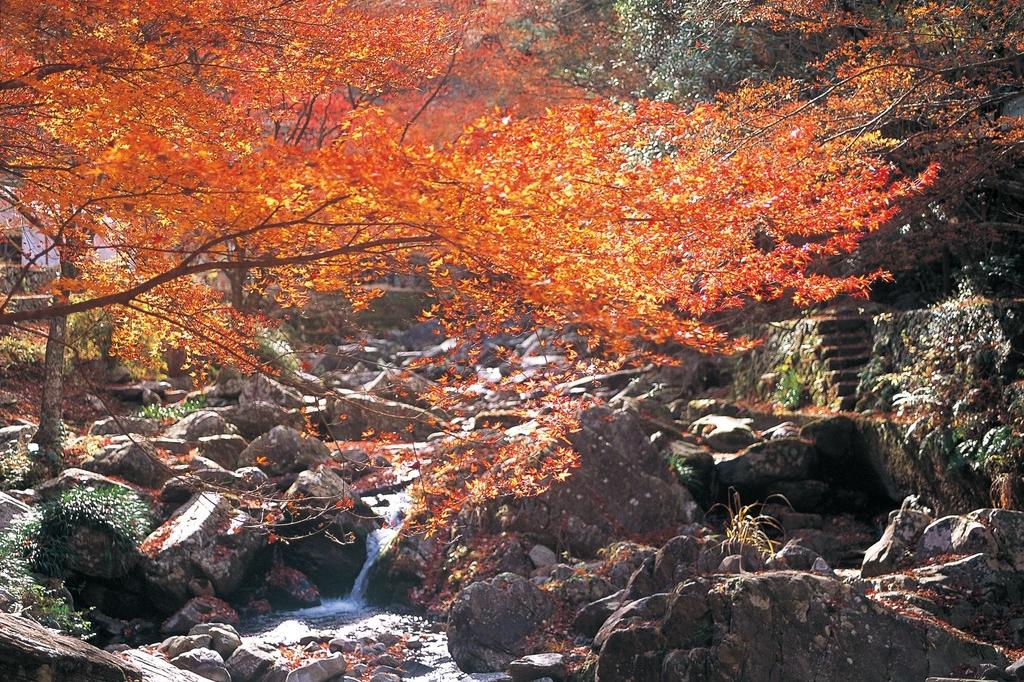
[223, 449]
[198, 611]
[200, 424]
[206, 539]
[782, 626]
[352, 413]
[622, 486]
[76, 478]
[1007, 527]
[135, 462]
[490, 622]
[262, 389]
[255, 419]
[283, 449]
[954, 535]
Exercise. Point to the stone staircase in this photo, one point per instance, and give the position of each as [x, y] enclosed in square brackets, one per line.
[23, 287]
[845, 349]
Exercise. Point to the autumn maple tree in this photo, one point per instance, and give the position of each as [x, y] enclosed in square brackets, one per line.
[272, 139]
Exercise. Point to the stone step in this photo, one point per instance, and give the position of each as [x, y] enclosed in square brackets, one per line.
[845, 388]
[844, 376]
[857, 349]
[846, 404]
[841, 362]
[842, 325]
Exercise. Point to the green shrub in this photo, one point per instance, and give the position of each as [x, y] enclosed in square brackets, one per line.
[23, 464]
[43, 534]
[789, 390]
[18, 350]
[175, 411]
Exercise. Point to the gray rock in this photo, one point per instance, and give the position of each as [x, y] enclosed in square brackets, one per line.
[537, 666]
[954, 535]
[489, 622]
[255, 419]
[262, 389]
[590, 618]
[754, 469]
[223, 449]
[207, 539]
[1008, 529]
[319, 670]
[283, 449]
[203, 662]
[198, 610]
[179, 644]
[10, 509]
[198, 424]
[1015, 671]
[117, 425]
[135, 462]
[896, 545]
[250, 661]
[724, 434]
[224, 638]
[542, 556]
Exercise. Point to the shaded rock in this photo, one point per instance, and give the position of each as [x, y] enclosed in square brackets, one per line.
[1007, 527]
[489, 622]
[223, 449]
[96, 552]
[135, 462]
[724, 434]
[542, 556]
[31, 652]
[199, 424]
[203, 662]
[590, 618]
[673, 562]
[205, 539]
[537, 666]
[703, 407]
[897, 543]
[697, 464]
[760, 465]
[114, 426]
[283, 449]
[289, 588]
[793, 556]
[632, 612]
[259, 388]
[197, 611]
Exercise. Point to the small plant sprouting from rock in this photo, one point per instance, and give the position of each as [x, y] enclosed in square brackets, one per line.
[789, 390]
[747, 526]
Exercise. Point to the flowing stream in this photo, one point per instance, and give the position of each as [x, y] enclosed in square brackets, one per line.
[351, 617]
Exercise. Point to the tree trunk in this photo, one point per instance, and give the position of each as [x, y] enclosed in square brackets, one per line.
[50, 434]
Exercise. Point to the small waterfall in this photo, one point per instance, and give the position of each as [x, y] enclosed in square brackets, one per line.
[377, 542]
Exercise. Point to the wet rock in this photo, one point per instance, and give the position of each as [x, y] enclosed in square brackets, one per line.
[724, 434]
[897, 543]
[203, 662]
[255, 419]
[319, 670]
[537, 666]
[250, 661]
[224, 638]
[114, 426]
[205, 539]
[197, 611]
[954, 535]
[262, 389]
[282, 450]
[333, 561]
[223, 449]
[199, 424]
[289, 588]
[490, 621]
